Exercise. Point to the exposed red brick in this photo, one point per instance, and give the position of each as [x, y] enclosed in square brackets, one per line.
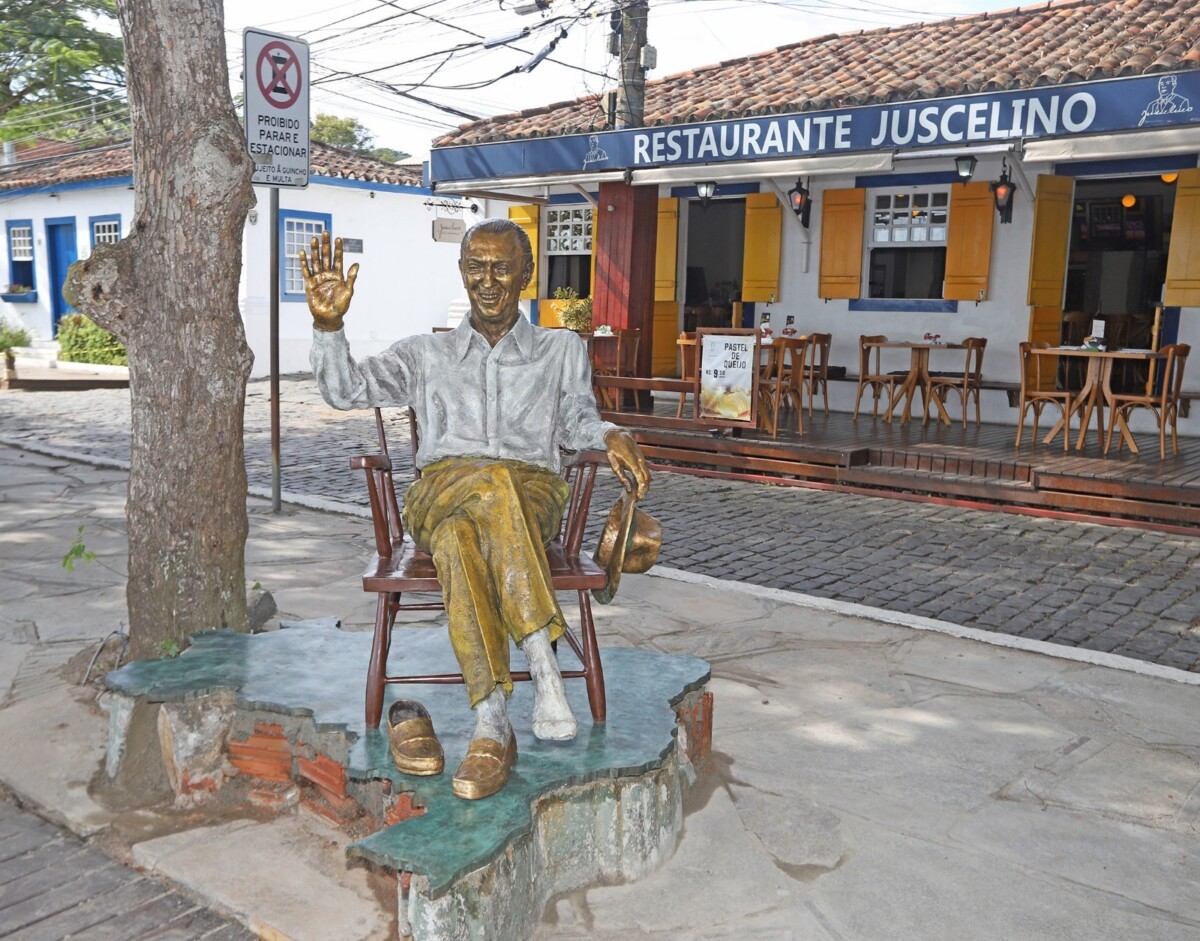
[325, 773]
[697, 723]
[402, 808]
[265, 754]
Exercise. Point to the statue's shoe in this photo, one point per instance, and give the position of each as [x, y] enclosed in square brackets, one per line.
[415, 746]
[485, 769]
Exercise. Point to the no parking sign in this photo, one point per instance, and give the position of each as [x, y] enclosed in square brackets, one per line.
[275, 70]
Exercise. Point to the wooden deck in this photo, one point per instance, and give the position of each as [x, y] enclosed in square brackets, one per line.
[977, 464]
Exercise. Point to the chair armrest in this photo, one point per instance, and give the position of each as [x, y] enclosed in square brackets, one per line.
[590, 456]
[371, 462]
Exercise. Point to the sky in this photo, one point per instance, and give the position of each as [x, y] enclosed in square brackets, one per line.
[428, 70]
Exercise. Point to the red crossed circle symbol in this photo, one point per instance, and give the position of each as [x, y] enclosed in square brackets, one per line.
[273, 74]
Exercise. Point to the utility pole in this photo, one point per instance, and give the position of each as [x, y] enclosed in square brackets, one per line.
[629, 25]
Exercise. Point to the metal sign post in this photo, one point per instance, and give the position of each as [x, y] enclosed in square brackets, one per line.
[276, 79]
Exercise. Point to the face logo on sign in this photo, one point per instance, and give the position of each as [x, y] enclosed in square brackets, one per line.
[278, 73]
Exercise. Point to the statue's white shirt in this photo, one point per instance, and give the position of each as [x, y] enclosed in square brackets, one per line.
[522, 399]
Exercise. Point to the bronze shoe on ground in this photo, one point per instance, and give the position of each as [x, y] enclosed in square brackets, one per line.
[415, 746]
[485, 769]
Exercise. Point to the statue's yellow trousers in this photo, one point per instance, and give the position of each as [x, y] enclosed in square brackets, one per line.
[486, 523]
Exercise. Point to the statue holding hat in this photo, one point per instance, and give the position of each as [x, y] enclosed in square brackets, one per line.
[496, 399]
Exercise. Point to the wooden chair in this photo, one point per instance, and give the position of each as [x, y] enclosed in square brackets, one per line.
[871, 374]
[1037, 373]
[816, 373]
[1076, 326]
[1164, 403]
[687, 367]
[781, 382]
[398, 566]
[622, 363]
[966, 385]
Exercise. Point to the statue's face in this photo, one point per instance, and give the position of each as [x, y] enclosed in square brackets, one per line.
[494, 277]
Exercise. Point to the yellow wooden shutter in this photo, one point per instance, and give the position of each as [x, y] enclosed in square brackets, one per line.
[1183, 261]
[1051, 238]
[760, 252]
[666, 250]
[969, 242]
[842, 216]
[527, 218]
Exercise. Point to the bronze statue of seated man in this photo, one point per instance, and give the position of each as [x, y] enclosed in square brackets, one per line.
[496, 398]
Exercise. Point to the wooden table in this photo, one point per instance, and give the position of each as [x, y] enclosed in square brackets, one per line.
[1096, 394]
[918, 376]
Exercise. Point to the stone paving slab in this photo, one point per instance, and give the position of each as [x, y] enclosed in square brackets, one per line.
[1127, 591]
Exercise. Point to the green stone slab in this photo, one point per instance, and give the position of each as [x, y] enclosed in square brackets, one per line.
[313, 669]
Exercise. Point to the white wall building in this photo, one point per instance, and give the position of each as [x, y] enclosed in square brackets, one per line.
[55, 210]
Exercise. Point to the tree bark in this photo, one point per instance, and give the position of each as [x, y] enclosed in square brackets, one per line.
[169, 290]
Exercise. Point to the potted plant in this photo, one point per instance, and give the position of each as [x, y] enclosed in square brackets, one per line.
[574, 312]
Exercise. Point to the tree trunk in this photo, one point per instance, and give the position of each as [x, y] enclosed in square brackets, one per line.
[169, 290]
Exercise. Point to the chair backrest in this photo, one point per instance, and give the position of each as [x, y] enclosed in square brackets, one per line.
[792, 353]
[1036, 370]
[1076, 325]
[687, 355]
[864, 354]
[1172, 384]
[628, 339]
[819, 344]
[975, 350]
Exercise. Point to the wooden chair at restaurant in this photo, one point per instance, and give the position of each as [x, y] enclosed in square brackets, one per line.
[781, 382]
[1037, 391]
[816, 373]
[871, 374]
[1164, 403]
[623, 363]
[399, 567]
[687, 367]
[966, 385]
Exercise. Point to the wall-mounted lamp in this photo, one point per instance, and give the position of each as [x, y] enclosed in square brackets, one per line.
[801, 201]
[964, 166]
[1002, 192]
[1129, 200]
[706, 191]
[252, 217]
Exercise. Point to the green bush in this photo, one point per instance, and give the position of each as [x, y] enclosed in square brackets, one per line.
[82, 341]
[12, 336]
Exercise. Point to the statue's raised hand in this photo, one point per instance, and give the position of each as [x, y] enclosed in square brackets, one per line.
[327, 290]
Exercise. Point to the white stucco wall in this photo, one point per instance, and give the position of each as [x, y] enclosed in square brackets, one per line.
[406, 285]
[406, 280]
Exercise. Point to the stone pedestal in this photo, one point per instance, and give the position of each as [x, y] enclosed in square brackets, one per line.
[284, 710]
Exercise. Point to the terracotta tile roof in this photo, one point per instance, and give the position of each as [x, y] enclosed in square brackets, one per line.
[117, 160]
[1048, 44]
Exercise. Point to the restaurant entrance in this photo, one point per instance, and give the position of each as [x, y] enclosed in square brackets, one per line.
[715, 246]
[1117, 263]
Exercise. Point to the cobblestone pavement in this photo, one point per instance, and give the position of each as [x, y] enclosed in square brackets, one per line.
[1128, 591]
[54, 886]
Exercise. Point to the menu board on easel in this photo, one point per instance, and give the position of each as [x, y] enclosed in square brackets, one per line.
[727, 377]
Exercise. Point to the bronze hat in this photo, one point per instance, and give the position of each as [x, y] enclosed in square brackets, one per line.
[629, 543]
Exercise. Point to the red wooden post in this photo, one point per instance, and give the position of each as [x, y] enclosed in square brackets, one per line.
[624, 291]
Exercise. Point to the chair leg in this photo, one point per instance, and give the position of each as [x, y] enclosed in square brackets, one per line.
[377, 668]
[591, 659]
[857, 400]
[1021, 423]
